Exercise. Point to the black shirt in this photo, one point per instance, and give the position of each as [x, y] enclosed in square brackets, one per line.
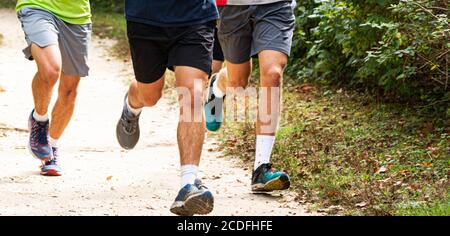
[171, 13]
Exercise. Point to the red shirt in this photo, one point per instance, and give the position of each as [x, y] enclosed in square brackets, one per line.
[221, 2]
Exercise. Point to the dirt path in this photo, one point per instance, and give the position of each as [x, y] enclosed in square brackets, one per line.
[100, 178]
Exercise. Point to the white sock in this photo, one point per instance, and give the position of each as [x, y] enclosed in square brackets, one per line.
[53, 142]
[188, 174]
[133, 111]
[264, 146]
[40, 118]
[216, 90]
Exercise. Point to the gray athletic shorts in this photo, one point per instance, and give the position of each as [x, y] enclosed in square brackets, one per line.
[43, 29]
[245, 31]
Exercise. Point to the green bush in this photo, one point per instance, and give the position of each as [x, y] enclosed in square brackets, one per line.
[399, 47]
[8, 3]
[116, 6]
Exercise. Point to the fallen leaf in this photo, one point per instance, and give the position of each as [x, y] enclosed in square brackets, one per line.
[109, 178]
[427, 164]
[305, 88]
[381, 170]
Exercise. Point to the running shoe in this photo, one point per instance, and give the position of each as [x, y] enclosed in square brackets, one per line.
[51, 167]
[193, 199]
[127, 130]
[265, 179]
[38, 142]
[213, 108]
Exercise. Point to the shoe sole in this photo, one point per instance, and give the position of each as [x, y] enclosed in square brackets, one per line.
[51, 173]
[280, 183]
[199, 204]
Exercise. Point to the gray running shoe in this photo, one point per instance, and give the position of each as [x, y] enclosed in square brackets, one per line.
[127, 129]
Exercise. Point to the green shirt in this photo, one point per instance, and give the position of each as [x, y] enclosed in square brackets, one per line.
[77, 12]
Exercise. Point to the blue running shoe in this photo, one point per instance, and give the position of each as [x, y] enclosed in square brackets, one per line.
[193, 199]
[51, 167]
[38, 143]
[213, 108]
[265, 179]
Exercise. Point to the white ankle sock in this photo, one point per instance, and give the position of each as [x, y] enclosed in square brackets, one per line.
[40, 118]
[264, 146]
[188, 174]
[53, 142]
[216, 90]
[133, 111]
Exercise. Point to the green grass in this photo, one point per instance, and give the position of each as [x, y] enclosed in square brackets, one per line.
[423, 209]
[7, 3]
[113, 26]
[350, 154]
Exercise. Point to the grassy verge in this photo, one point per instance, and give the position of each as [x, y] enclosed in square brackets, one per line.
[113, 26]
[7, 3]
[349, 154]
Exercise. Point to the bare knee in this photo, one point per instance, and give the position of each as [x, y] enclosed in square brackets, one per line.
[238, 82]
[68, 95]
[192, 100]
[149, 99]
[272, 76]
[196, 99]
[50, 74]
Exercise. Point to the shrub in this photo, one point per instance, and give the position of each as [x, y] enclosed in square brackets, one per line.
[400, 47]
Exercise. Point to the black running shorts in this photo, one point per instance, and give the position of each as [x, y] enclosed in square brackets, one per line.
[154, 49]
[217, 51]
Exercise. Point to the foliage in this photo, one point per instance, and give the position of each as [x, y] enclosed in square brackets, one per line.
[113, 6]
[8, 3]
[113, 26]
[349, 154]
[399, 47]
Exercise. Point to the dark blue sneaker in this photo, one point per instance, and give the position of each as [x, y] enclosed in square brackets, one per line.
[265, 179]
[213, 108]
[127, 129]
[51, 167]
[193, 199]
[38, 143]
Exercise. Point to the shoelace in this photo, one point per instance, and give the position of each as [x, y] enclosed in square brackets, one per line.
[52, 162]
[129, 124]
[40, 131]
[200, 185]
[55, 153]
[266, 168]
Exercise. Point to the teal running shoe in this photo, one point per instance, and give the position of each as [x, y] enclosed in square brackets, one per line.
[213, 108]
[265, 179]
